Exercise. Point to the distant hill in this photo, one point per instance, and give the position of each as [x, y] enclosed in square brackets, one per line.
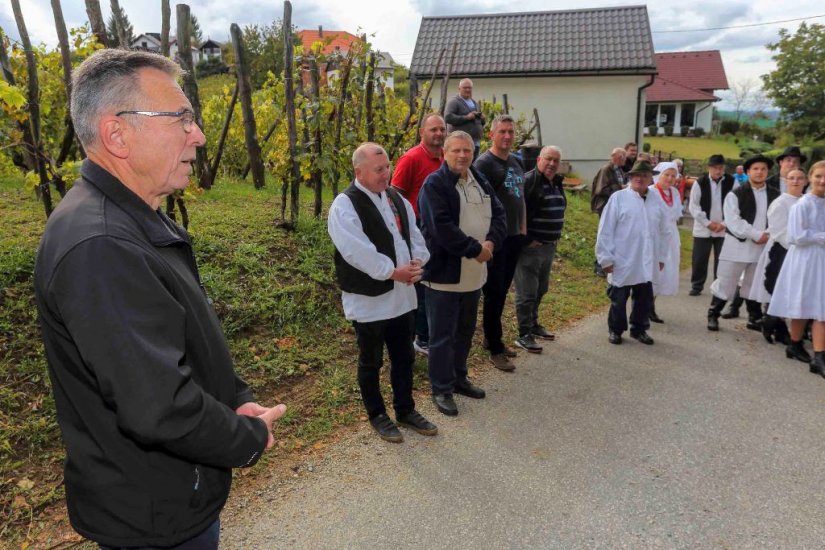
[748, 116]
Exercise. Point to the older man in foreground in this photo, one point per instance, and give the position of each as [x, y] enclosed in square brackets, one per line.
[152, 414]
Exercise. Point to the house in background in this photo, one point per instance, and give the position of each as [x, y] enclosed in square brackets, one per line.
[584, 71]
[336, 46]
[683, 92]
[150, 42]
[210, 49]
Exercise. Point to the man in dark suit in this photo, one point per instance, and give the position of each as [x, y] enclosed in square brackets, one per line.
[790, 159]
[464, 113]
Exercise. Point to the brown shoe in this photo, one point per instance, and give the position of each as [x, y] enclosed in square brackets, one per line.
[501, 362]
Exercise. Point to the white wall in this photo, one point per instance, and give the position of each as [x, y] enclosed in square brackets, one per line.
[587, 116]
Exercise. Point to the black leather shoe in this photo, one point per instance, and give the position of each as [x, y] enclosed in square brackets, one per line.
[694, 292]
[414, 421]
[615, 338]
[713, 323]
[445, 404]
[642, 337]
[506, 352]
[731, 313]
[754, 324]
[655, 318]
[386, 428]
[465, 387]
[796, 350]
[818, 363]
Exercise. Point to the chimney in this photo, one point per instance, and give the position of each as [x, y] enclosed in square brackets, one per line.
[320, 31]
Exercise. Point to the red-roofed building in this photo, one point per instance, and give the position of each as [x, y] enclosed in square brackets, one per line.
[683, 92]
[340, 42]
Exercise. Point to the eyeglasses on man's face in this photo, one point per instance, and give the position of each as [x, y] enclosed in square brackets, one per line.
[187, 117]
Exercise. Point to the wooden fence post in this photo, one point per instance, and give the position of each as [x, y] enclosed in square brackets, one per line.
[538, 126]
[506, 104]
[34, 107]
[190, 88]
[289, 93]
[245, 93]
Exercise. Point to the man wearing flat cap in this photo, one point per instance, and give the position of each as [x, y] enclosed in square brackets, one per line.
[626, 251]
[746, 224]
[706, 199]
[790, 159]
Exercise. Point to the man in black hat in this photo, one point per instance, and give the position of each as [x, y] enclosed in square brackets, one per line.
[626, 252]
[707, 196]
[790, 159]
[746, 224]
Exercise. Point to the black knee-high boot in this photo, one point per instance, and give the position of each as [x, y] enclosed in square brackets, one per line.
[653, 316]
[716, 307]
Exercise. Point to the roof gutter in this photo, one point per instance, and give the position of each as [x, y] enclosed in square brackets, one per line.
[639, 106]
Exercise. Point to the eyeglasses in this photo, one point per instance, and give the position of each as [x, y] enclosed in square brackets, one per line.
[186, 116]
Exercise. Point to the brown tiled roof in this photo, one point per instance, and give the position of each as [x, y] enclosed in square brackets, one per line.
[701, 70]
[613, 40]
[664, 90]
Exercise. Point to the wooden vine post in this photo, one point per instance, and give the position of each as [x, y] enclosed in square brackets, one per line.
[317, 172]
[165, 16]
[442, 106]
[216, 160]
[339, 117]
[289, 93]
[245, 93]
[28, 143]
[66, 60]
[120, 25]
[34, 108]
[424, 102]
[190, 88]
[370, 90]
[97, 23]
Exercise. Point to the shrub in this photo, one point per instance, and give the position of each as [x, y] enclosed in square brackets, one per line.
[646, 147]
[684, 130]
[652, 130]
[698, 132]
[729, 127]
[668, 130]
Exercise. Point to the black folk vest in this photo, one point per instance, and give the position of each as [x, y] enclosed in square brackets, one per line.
[747, 203]
[375, 228]
[705, 200]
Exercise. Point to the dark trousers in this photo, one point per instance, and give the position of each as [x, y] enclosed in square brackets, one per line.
[208, 539]
[642, 298]
[397, 334]
[422, 329]
[500, 273]
[532, 282]
[452, 317]
[702, 247]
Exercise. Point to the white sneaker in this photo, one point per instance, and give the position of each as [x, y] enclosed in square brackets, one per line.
[421, 347]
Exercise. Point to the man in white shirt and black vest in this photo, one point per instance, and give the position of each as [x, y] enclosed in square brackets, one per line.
[706, 199]
[746, 223]
[379, 255]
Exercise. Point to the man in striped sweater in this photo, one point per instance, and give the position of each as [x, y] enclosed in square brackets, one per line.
[546, 202]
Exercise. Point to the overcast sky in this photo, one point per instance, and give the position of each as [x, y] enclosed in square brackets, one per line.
[395, 23]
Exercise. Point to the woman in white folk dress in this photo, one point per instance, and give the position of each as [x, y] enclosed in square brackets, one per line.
[800, 288]
[664, 198]
[770, 261]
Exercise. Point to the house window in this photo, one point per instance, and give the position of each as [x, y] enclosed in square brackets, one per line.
[688, 112]
[144, 44]
[666, 115]
[651, 112]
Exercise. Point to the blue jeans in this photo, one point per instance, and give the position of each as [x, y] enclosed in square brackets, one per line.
[452, 318]
[208, 539]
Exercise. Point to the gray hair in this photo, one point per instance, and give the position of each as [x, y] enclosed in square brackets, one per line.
[363, 151]
[501, 118]
[618, 150]
[548, 148]
[459, 134]
[107, 82]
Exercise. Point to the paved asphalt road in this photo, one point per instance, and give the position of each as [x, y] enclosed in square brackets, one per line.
[704, 440]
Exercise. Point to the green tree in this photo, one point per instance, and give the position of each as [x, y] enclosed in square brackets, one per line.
[195, 31]
[111, 28]
[797, 86]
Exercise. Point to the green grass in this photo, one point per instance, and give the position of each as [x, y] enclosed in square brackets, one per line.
[693, 148]
[275, 293]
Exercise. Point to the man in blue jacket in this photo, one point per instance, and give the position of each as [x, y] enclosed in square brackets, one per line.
[463, 225]
[152, 414]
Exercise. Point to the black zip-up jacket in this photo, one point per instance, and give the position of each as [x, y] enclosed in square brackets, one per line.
[143, 381]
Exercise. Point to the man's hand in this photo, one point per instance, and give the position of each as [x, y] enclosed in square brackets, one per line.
[409, 273]
[608, 269]
[763, 239]
[716, 227]
[534, 244]
[485, 256]
[471, 116]
[489, 245]
[269, 416]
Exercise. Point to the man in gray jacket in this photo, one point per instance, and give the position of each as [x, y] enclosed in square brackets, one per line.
[464, 113]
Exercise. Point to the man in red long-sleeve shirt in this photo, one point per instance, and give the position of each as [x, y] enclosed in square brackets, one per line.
[410, 172]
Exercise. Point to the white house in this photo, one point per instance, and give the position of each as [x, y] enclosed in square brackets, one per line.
[584, 71]
[150, 41]
[210, 49]
[682, 94]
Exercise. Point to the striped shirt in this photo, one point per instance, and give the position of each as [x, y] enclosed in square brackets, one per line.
[547, 224]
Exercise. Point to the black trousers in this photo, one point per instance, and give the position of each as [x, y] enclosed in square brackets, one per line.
[702, 247]
[452, 319]
[397, 334]
[208, 539]
[642, 299]
[500, 274]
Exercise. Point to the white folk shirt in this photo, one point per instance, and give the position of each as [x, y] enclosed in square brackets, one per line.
[474, 220]
[347, 234]
[624, 239]
[748, 251]
[700, 219]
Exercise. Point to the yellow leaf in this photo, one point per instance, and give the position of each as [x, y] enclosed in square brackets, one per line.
[25, 484]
